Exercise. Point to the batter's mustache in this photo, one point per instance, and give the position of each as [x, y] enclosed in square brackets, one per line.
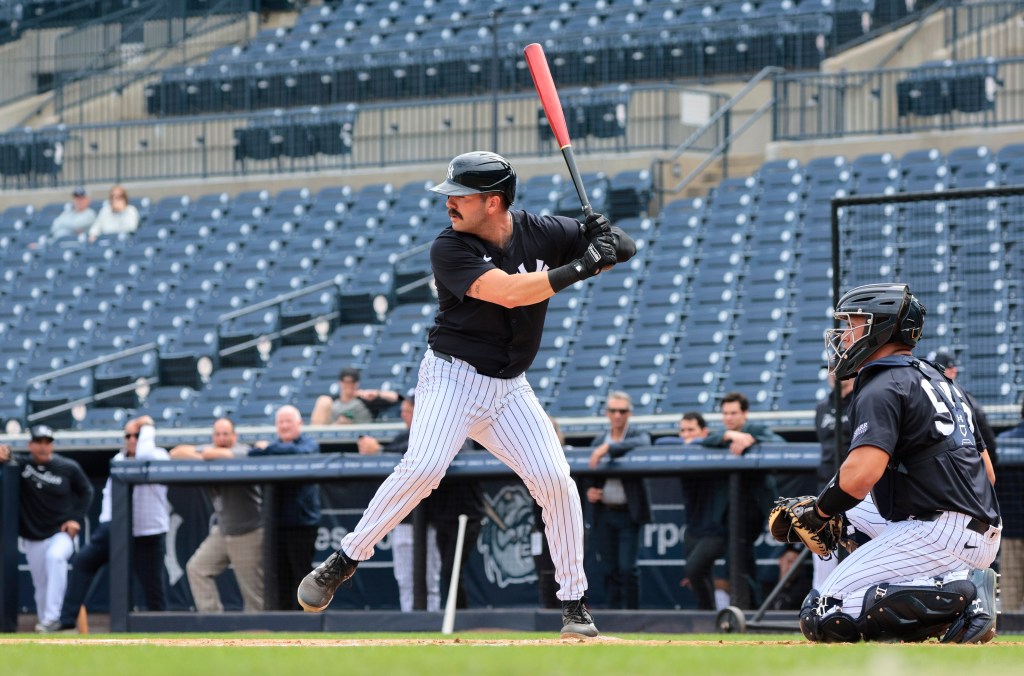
[454, 212]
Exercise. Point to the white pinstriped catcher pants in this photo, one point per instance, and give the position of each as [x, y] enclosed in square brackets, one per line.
[453, 402]
[912, 553]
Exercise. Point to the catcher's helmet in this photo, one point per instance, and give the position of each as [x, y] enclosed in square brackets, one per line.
[891, 315]
[478, 172]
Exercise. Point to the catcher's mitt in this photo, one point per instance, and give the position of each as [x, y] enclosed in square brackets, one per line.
[796, 520]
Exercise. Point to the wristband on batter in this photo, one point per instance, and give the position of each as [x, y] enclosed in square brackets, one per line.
[566, 275]
[574, 271]
[834, 500]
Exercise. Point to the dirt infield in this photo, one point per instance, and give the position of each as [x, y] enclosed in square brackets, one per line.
[388, 642]
[368, 642]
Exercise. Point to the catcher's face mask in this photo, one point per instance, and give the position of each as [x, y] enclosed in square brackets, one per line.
[848, 346]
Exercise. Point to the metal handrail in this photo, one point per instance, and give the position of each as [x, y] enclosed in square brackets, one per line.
[155, 55]
[723, 111]
[276, 300]
[96, 361]
[280, 333]
[918, 24]
[722, 114]
[721, 147]
[93, 398]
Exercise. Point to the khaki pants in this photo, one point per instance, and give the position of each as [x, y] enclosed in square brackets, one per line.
[243, 553]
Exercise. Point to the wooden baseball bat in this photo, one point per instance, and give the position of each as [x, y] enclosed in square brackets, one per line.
[548, 94]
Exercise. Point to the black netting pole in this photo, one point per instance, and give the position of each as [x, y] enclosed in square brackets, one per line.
[419, 559]
[739, 554]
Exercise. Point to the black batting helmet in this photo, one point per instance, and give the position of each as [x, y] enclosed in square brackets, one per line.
[892, 315]
[478, 172]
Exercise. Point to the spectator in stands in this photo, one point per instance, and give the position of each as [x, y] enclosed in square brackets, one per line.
[947, 362]
[620, 505]
[116, 216]
[402, 536]
[706, 500]
[353, 406]
[739, 435]
[1011, 547]
[150, 522]
[236, 536]
[76, 218]
[296, 509]
[53, 496]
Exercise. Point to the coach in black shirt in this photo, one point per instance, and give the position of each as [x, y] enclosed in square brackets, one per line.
[54, 495]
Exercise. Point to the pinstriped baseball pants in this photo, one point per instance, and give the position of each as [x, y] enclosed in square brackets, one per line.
[911, 553]
[453, 402]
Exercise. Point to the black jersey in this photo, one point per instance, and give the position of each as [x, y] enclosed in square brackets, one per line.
[499, 342]
[50, 494]
[908, 409]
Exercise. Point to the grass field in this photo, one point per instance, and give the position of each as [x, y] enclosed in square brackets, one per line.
[492, 653]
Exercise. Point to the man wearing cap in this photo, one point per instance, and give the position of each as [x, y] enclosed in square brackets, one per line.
[76, 218]
[54, 494]
[353, 406]
[947, 363]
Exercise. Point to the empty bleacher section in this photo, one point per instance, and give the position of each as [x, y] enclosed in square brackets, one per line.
[237, 304]
[352, 52]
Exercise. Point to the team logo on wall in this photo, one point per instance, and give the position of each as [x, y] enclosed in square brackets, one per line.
[504, 540]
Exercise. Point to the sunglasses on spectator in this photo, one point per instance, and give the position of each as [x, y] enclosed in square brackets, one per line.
[129, 435]
[622, 411]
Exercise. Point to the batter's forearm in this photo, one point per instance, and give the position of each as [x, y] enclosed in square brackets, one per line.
[499, 287]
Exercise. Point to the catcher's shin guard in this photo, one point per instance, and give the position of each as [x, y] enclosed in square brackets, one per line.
[977, 624]
[900, 613]
[835, 627]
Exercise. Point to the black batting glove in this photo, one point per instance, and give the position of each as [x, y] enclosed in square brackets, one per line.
[596, 225]
[600, 254]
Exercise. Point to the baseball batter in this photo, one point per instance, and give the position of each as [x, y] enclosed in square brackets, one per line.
[495, 268]
[915, 447]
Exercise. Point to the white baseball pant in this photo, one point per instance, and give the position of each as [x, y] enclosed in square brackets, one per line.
[864, 518]
[912, 553]
[48, 565]
[402, 555]
[453, 402]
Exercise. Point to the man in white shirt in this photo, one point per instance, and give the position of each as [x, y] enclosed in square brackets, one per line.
[150, 522]
[76, 218]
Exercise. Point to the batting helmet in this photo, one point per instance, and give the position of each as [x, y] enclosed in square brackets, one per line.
[479, 172]
[891, 315]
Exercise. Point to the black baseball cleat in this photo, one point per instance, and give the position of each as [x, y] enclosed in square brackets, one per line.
[576, 620]
[977, 624]
[317, 589]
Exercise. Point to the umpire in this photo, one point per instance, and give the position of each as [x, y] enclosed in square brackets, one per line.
[54, 495]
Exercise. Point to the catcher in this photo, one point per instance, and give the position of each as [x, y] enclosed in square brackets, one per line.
[916, 449]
